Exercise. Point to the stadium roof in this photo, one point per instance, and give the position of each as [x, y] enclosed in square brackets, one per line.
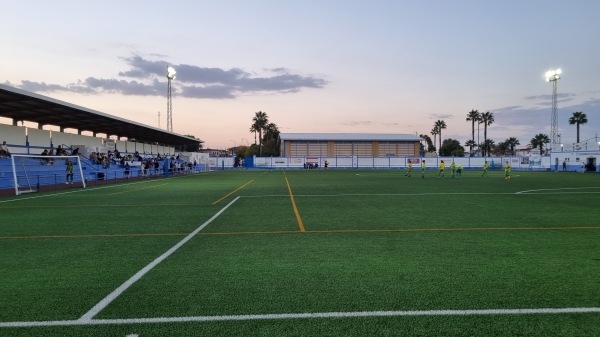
[349, 137]
[21, 105]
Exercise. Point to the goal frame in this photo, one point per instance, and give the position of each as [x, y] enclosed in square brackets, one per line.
[75, 159]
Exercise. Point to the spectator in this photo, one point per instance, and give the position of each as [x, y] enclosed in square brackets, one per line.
[4, 152]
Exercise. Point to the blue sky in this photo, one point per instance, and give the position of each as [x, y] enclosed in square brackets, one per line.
[312, 66]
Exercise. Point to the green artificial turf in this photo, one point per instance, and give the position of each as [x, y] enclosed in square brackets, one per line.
[287, 242]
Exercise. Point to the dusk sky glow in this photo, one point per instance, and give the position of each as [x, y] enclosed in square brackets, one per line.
[313, 66]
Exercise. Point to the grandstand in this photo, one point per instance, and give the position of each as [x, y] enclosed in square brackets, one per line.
[122, 142]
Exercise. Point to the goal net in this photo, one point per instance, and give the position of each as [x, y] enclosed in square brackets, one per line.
[33, 172]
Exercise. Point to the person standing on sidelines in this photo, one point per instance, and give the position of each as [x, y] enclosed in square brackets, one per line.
[408, 169]
[507, 171]
[423, 167]
[486, 166]
[441, 169]
[453, 168]
[69, 172]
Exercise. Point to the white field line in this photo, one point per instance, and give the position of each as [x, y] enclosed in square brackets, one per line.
[89, 189]
[559, 190]
[305, 315]
[112, 296]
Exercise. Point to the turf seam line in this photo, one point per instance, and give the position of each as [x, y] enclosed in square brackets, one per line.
[113, 295]
[137, 189]
[399, 313]
[230, 193]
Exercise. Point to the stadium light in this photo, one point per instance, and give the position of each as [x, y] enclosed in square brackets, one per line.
[553, 76]
[170, 76]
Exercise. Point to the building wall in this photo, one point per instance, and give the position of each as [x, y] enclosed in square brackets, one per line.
[330, 148]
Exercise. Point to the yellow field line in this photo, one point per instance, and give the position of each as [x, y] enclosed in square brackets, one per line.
[298, 218]
[230, 193]
[309, 231]
[137, 189]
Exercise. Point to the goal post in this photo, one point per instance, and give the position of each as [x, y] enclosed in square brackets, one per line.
[30, 172]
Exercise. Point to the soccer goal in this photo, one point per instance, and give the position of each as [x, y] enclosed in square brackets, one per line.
[31, 172]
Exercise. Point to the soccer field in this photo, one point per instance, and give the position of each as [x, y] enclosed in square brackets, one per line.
[306, 253]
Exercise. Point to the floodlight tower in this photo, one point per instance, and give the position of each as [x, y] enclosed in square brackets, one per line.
[170, 76]
[553, 76]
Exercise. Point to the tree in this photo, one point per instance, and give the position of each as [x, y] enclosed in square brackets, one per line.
[452, 147]
[430, 146]
[471, 144]
[501, 148]
[539, 140]
[473, 116]
[578, 118]
[440, 125]
[434, 132]
[512, 142]
[487, 118]
[487, 146]
[260, 121]
[271, 132]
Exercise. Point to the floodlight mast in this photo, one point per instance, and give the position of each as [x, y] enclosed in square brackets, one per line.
[553, 76]
[170, 76]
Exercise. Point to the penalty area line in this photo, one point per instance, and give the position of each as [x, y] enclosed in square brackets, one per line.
[406, 313]
[112, 296]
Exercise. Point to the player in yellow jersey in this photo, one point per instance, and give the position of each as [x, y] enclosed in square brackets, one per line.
[453, 168]
[486, 166]
[423, 166]
[441, 169]
[507, 170]
[459, 171]
[408, 169]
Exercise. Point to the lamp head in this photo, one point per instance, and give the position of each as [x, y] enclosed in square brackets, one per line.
[171, 73]
[553, 75]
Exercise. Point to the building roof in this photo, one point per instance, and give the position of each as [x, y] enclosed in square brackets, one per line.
[21, 105]
[349, 137]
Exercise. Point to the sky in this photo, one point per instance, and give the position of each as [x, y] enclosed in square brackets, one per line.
[331, 66]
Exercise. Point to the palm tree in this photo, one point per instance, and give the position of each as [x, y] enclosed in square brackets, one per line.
[501, 148]
[430, 146]
[487, 118]
[260, 122]
[512, 142]
[440, 125]
[271, 131]
[470, 143]
[473, 116]
[434, 132]
[539, 140]
[577, 119]
[488, 145]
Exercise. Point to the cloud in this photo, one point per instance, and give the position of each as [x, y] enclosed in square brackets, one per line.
[547, 99]
[147, 78]
[370, 123]
[441, 116]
